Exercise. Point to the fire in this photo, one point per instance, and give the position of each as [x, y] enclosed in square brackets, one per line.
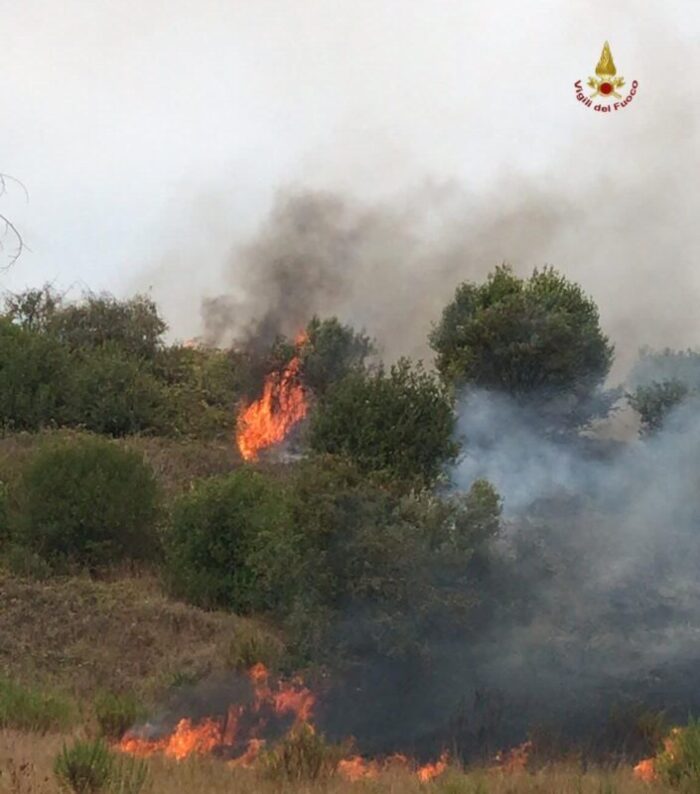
[358, 768]
[646, 768]
[431, 771]
[289, 700]
[267, 421]
[514, 760]
[275, 706]
[186, 739]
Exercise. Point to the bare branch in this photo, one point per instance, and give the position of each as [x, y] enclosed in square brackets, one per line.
[11, 241]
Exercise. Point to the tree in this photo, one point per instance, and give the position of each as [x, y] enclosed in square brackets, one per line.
[661, 381]
[134, 325]
[36, 379]
[400, 422]
[330, 351]
[388, 571]
[536, 338]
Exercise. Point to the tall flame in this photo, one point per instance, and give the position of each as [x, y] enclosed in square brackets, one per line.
[267, 421]
[606, 66]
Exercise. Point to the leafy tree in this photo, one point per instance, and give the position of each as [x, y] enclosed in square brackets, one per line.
[35, 379]
[531, 338]
[400, 422]
[330, 351]
[87, 502]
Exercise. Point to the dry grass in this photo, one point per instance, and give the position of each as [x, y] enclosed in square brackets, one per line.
[176, 462]
[81, 636]
[26, 764]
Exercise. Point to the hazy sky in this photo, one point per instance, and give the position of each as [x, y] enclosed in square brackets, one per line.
[153, 136]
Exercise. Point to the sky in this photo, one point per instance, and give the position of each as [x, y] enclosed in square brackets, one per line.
[153, 138]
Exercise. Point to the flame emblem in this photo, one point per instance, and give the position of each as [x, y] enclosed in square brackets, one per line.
[606, 82]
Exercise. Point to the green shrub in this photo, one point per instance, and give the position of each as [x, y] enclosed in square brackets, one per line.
[35, 378]
[679, 763]
[85, 768]
[117, 713]
[231, 544]
[89, 503]
[302, 755]
[400, 422]
[114, 394]
[404, 566]
[31, 710]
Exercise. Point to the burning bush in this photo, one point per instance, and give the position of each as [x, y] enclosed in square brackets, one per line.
[86, 502]
[230, 543]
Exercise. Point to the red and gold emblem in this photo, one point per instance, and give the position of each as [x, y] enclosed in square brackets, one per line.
[606, 81]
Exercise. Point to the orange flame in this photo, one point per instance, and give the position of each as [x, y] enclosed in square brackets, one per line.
[287, 699]
[431, 771]
[267, 421]
[186, 739]
[358, 768]
[646, 768]
[277, 699]
[513, 760]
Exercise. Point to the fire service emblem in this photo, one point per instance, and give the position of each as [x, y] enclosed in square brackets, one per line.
[607, 85]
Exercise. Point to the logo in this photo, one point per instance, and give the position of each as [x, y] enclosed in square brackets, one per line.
[607, 85]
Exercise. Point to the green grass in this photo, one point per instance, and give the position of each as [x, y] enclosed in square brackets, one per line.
[29, 709]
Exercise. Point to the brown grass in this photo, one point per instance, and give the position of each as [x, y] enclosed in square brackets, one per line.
[26, 767]
[81, 636]
[176, 462]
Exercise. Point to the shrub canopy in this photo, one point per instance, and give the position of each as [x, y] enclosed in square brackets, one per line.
[87, 502]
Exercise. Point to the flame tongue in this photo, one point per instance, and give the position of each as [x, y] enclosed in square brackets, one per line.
[267, 421]
[238, 733]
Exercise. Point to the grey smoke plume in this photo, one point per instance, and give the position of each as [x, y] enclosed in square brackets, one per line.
[605, 537]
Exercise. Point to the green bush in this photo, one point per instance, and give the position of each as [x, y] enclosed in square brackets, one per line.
[400, 423]
[679, 763]
[116, 714]
[85, 768]
[231, 544]
[654, 402]
[114, 394]
[402, 566]
[303, 755]
[35, 379]
[87, 502]
[31, 710]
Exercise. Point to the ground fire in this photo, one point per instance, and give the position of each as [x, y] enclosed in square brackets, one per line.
[268, 420]
[275, 708]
